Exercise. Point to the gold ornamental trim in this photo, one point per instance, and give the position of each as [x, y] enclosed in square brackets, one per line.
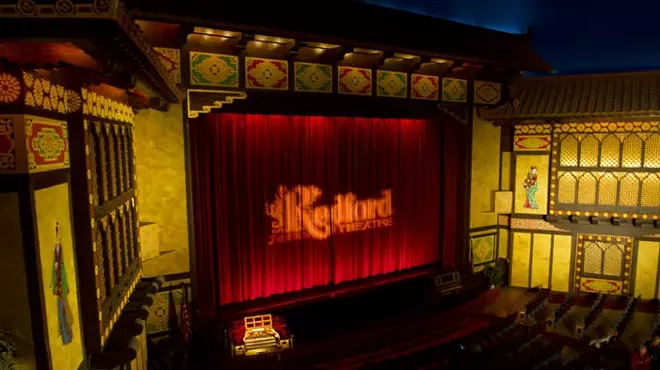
[228, 97]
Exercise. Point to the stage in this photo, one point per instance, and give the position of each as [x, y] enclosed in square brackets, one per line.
[383, 323]
[460, 322]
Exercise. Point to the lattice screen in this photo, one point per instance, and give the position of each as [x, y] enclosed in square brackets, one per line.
[615, 172]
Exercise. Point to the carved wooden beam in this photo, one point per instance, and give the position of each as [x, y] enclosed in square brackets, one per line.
[138, 100]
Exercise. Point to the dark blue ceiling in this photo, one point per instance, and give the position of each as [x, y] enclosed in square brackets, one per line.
[575, 36]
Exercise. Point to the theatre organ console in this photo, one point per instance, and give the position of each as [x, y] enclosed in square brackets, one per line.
[449, 283]
[260, 334]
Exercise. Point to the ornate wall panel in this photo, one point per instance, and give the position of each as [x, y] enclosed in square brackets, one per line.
[30, 144]
[532, 129]
[171, 61]
[266, 74]
[606, 169]
[246, 72]
[454, 90]
[11, 88]
[424, 87]
[484, 248]
[313, 77]
[535, 143]
[532, 137]
[487, 92]
[603, 264]
[218, 70]
[518, 223]
[391, 84]
[38, 93]
[159, 315]
[354, 80]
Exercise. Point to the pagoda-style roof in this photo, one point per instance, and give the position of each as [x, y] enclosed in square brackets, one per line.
[584, 96]
[101, 30]
[351, 23]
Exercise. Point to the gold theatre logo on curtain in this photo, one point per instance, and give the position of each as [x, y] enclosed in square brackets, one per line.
[296, 214]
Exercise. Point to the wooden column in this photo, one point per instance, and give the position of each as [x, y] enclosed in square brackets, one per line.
[38, 262]
[66, 158]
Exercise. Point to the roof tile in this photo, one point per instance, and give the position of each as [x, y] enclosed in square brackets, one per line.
[607, 95]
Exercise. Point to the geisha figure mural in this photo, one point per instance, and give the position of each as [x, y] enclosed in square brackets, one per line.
[531, 187]
[60, 287]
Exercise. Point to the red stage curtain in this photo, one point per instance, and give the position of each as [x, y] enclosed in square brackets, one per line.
[239, 161]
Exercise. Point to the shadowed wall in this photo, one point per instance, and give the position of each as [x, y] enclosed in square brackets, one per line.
[161, 182]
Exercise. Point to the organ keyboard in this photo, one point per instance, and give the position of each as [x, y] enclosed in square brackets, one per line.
[260, 337]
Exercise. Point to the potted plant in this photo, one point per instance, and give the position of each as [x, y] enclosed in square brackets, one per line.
[495, 275]
[7, 351]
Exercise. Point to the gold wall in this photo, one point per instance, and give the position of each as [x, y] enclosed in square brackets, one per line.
[485, 181]
[53, 207]
[548, 254]
[646, 269]
[541, 260]
[161, 182]
[505, 176]
[485, 175]
[503, 243]
[14, 317]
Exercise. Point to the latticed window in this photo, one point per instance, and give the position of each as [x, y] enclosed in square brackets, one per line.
[603, 259]
[608, 172]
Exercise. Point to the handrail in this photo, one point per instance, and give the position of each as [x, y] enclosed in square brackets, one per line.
[531, 308]
[624, 318]
[560, 313]
[595, 310]
[656, 324]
